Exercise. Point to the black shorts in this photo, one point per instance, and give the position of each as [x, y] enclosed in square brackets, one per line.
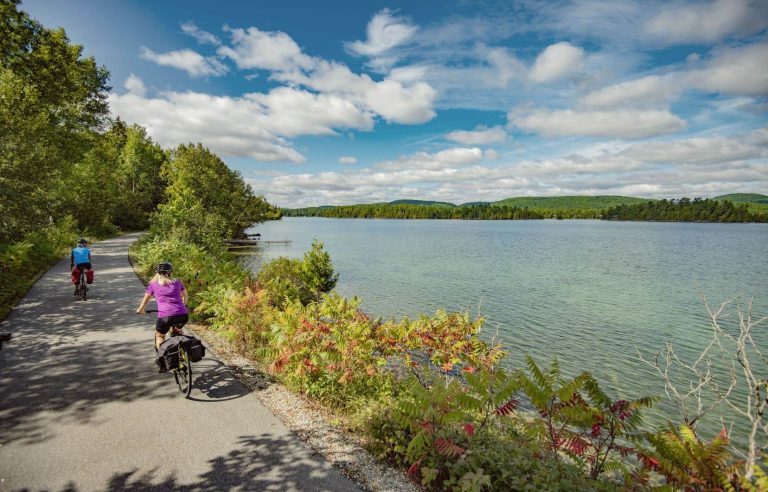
[85, 266]
[166, 322]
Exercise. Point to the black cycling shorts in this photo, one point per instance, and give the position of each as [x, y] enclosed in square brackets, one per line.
[85, 266]
[166, 322]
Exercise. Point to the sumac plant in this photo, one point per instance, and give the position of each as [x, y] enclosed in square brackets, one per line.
[579, 420]
[442, 423]
[326, 350]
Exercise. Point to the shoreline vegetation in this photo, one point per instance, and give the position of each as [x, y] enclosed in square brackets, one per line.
[727, 208]
[428, 394]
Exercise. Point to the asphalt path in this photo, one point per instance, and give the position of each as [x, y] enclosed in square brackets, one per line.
[82, 406]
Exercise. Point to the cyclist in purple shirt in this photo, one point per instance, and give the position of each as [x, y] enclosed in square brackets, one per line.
[171, 301]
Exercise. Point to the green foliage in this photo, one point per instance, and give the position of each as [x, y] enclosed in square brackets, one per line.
[197, 268]
[317, 270]
[686, 210]
[326, 350]
[51, 101]
[21, 261]
[570, 203]
[414, 211]
[206, 201]
[289, 280]
[689, 463]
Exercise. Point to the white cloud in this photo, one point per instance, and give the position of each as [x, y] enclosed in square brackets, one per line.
[712, 150]
[395, 101]
[444, 159]
[735, 70]
[458, 175]
[652, 90]
[263, 50]
[556, 61]
[203, 37]
[479, 136]
[135, 85]
[384, 31]
[190, 61]
[705, 22]
[347, 159]
[619, 123]
[252, 125]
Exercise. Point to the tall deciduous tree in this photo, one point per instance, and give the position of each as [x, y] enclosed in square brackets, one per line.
[51, 100]
[206, 201]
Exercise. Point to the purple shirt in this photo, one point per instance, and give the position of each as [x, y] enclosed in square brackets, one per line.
[168, 298]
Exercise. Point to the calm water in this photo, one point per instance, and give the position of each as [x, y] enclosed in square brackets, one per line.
[590, 292]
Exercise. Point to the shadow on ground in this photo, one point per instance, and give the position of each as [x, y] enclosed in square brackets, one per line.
[249, 466]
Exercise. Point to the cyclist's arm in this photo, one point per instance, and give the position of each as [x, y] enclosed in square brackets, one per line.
[143, 304]
[71, 261]
[89, 257]
[184, 296]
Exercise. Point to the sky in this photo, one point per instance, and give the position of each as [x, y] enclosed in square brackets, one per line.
[341, 102]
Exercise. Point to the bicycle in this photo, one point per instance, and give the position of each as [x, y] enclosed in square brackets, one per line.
[183, 372]
[81, 288]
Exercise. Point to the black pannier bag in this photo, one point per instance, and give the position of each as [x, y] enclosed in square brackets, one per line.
[168, 355]
[195, 348]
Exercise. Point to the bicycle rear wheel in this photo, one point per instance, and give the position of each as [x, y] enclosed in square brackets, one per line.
[83, 285]
[183, 374]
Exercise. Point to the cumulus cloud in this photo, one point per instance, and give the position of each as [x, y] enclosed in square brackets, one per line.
[711, 150]
[347, 159]
[135, 85]
[203, 37]
[707, 22]
[733, 70]
[445, 159]
[385, 31]
[190, 61]
[395, 101]
[253, 48]
[556, 61]
[652, 90]
[619, 123]
[458, 176]
[253, 125]
[479, 136]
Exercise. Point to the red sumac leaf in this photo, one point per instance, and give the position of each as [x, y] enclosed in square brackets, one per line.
[414, 468]
[508, 407]
[469, 429]
[448, 448]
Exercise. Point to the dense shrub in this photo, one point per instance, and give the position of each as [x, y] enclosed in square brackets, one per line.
[22, 261]
[287, 280]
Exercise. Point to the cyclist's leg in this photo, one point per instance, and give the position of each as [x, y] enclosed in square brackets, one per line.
[161, 329]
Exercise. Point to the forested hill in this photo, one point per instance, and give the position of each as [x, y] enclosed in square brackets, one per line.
[568, 207]
[756, 203]
[599, 202]
[414, 211]
[686, 210]
[562, 207]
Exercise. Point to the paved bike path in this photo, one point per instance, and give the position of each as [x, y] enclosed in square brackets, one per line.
[82, 406]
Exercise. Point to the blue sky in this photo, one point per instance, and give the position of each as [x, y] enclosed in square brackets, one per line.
[322, 103]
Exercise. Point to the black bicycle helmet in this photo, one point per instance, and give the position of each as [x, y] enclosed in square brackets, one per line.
[164, 268]
[82, 241]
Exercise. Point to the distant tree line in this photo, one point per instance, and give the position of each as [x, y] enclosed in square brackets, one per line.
[408, 211]
[685, 210]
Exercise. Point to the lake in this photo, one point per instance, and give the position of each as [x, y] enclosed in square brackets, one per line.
[591, 292]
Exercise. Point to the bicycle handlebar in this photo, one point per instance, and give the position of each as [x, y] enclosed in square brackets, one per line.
[147, 311]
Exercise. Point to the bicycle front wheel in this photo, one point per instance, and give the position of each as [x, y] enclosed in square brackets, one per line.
[183, 374]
